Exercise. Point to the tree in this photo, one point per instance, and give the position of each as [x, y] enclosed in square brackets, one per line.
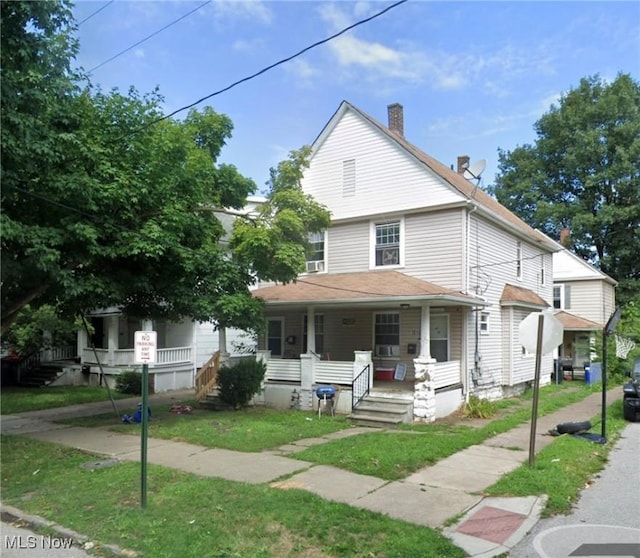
[123, 207]
[583, 174]
[38, 91]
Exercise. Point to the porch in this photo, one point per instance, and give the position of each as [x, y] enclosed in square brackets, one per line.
[109, 350]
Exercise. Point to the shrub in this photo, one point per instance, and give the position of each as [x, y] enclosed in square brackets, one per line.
[479, 408]
[129, 381]
[237, 384]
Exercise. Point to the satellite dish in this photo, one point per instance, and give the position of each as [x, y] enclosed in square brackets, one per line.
[474, 171]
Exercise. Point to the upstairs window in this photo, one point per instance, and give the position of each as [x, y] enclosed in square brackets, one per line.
[387, 244]
[562, 297]
[315, 258]
[518, 260]
[542, 270]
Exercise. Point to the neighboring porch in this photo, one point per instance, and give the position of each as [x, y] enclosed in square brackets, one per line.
[578, 345]
[110, 350]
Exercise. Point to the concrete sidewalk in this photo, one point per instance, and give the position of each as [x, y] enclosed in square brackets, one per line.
[430, 497]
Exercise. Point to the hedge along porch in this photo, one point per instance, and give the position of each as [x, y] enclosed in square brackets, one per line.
[327, 329]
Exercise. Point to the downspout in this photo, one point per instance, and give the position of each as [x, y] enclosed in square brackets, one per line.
[471, 378]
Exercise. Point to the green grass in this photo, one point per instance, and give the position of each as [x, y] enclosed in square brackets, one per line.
[563, 468]
[250, 429]
[394, 455]
[19, 399]
[189, 516]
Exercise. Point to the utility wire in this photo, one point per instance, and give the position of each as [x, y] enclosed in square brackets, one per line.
[288, 59]
[95, 13]
[148, 37]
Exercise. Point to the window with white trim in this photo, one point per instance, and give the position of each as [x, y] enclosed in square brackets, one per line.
[275, 329]
[518, 260]
[439, 337]
[562, 297]
[542, 270]
[387, 244]
[484, 323]
[386, 334]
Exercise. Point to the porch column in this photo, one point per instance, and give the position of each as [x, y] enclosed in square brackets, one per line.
[111, 323]
[311, 330]
[425, 332]
[360, 361]
[82, 342]
[222, 344]
[424, 393]
[306, 381]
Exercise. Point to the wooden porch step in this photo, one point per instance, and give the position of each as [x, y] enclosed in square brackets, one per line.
[212, 402]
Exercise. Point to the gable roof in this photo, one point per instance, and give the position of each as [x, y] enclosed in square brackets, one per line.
[568, 266]
[361, 287]
[513, 295]
[489, 206]
[576, 323]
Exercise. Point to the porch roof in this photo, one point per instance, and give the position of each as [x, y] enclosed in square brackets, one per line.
[363, 287]
[513, 295]
[576, 323]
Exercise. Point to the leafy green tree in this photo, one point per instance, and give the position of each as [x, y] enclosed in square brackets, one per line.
[583, 173]
[119, 206]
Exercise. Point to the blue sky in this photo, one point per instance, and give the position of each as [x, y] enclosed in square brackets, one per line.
[473, 77]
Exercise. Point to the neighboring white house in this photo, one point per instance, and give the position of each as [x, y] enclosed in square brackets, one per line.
[584, 299]
[420, 268]
[183, 347]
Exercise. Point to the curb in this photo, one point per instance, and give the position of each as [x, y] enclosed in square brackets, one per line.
[9, 514]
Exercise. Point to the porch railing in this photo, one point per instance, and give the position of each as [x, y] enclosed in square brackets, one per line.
[283, 370]
[333, 372]
[360, 386]
[447, 373]
[126, 357]
[207, 376]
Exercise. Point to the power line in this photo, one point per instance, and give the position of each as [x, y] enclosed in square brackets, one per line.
[148, 37]
[95, 13]
[288, 59]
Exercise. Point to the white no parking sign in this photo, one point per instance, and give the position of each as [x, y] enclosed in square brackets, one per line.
[145, 343]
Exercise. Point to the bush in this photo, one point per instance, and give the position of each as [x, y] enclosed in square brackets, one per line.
[239, 383]
[129, 381]
[479, 408]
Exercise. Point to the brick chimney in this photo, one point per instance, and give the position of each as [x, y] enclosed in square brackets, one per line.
[463, 163]
[565, 237]
[396, 118]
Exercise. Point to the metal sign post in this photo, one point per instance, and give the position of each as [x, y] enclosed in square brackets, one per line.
[541, 333]
[145, 353]
[608, 330]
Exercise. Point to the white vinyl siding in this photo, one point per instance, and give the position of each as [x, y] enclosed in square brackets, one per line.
[349, 177]
[434, 247]
[592, 300]
[388, 178]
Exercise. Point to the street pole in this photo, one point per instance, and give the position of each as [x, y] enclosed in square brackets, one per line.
[144, 434]
[605, 338]
[536, 393]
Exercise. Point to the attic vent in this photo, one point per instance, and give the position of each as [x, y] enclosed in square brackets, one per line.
[349, 177]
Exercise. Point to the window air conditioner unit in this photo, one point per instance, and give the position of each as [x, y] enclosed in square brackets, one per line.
[384, 350]
[315, 266]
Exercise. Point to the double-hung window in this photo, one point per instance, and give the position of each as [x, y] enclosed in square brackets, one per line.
[316, 255]
[387, 334]
[387, 244]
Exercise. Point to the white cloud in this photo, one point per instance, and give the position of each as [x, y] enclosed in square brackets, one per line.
[400, 63]
[255, 10]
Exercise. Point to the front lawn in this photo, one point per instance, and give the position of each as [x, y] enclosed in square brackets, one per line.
[195, 517]
[21, 399]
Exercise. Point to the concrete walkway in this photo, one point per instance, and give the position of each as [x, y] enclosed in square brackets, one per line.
[430, 497]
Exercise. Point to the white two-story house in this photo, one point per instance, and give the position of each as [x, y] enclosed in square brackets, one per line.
[584, 300]
[420, 282]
